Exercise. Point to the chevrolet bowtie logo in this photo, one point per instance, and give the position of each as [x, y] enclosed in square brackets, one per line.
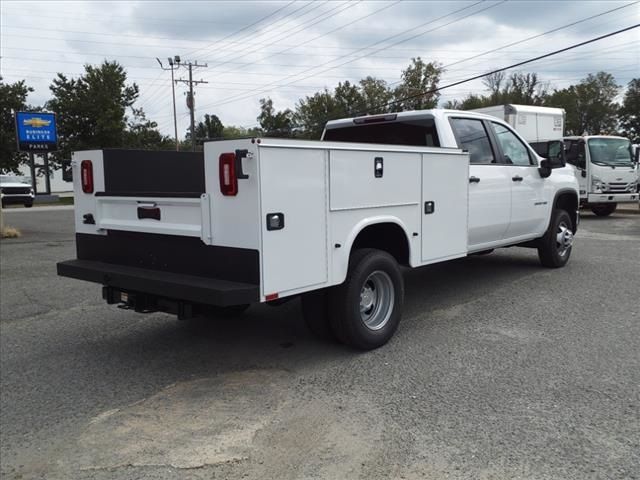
[37, 122]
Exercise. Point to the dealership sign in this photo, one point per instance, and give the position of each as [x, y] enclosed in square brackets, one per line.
[36, 132]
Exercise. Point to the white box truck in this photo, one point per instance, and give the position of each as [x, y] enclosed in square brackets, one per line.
[268, 219]
[605, 166]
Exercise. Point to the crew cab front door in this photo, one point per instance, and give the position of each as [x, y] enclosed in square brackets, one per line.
[529, 207]
[489, 183]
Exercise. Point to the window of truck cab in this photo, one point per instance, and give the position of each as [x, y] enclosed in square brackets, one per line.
[420, 132]
[515, 151]
[471, 134]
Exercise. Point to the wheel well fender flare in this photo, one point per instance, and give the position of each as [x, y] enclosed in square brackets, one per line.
[573, 213]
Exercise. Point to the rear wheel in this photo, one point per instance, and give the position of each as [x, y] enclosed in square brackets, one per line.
[366, 309]
[555, 246]
[28, 205]
[604, 209]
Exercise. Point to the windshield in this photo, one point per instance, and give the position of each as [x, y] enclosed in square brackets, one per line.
[610, 151]
[14, 179]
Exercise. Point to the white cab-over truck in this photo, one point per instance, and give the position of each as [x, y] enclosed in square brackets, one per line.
[332, 221]
[607, 171]
[605, 166]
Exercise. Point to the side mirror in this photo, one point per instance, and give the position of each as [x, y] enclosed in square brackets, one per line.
[67, 172]
[545, 168]
[555, 154]
[553, 151]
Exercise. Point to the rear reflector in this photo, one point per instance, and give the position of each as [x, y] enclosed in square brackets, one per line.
[86, 176]
[228, 177]
[270, 297]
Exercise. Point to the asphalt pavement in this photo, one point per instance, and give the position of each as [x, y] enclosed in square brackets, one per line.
[500, 369]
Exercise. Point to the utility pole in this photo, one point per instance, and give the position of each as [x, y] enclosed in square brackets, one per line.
[175, 61]
[190, 97]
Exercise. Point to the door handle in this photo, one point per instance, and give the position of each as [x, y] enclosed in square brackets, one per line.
[474, 180]
[517, 178]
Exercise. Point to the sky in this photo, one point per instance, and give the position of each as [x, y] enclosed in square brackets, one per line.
[290, 49]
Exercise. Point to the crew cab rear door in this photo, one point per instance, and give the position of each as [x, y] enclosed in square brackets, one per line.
[489, 183]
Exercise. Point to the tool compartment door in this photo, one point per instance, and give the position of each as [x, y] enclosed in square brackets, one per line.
[293, 185]
[445, 197]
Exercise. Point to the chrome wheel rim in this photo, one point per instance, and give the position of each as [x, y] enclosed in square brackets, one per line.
[564, 239]
[377, 300]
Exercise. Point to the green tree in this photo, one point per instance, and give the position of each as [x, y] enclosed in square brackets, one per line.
[519, 88]
[231, 132]
[211, 127]
[590, 105]
[91, 110]
[376, 96]
[313, 112]
[418, 79]
[369, 96]
[144, 134]
[273, 123]
[13, 98]
[629, 113]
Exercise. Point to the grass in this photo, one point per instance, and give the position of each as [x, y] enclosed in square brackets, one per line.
[10, 232]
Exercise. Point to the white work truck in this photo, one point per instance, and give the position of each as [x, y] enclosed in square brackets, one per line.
[332, 221]
[607, 171]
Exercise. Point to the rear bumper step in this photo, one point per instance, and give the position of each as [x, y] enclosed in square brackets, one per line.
[188, 288]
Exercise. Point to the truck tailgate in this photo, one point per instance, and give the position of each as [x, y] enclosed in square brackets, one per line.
[170, 216]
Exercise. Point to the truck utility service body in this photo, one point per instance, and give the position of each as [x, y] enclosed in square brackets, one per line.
[267, 219]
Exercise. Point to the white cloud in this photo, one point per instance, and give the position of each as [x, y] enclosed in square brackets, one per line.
[249, 59]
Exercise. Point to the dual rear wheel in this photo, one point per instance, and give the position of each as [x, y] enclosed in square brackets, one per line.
[364, 311]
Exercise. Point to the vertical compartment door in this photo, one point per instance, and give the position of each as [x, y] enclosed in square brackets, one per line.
[445, 182]
[294, 218]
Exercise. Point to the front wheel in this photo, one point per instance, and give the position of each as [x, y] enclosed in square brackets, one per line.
[604, 209]
[366, 308]
[555, 246]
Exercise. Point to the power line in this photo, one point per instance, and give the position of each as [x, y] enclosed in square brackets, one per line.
[240, 30]
[377, 43]
[554, 30]
[519, 64]
[252, 47]
[286, 50]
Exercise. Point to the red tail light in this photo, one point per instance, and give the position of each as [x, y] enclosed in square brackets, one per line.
[228, 176]
[86, 175]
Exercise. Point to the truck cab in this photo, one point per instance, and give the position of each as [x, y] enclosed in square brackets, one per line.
[606, 170]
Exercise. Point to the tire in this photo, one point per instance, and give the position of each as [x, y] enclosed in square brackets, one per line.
[315, 309]
[28, 205]
[604, 209]
[366, 309]
[555, 246]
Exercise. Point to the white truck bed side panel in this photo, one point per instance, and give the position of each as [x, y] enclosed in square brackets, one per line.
[293, 183]
[85, 203]
[354, 185]
[445, 182]
[235, 221]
